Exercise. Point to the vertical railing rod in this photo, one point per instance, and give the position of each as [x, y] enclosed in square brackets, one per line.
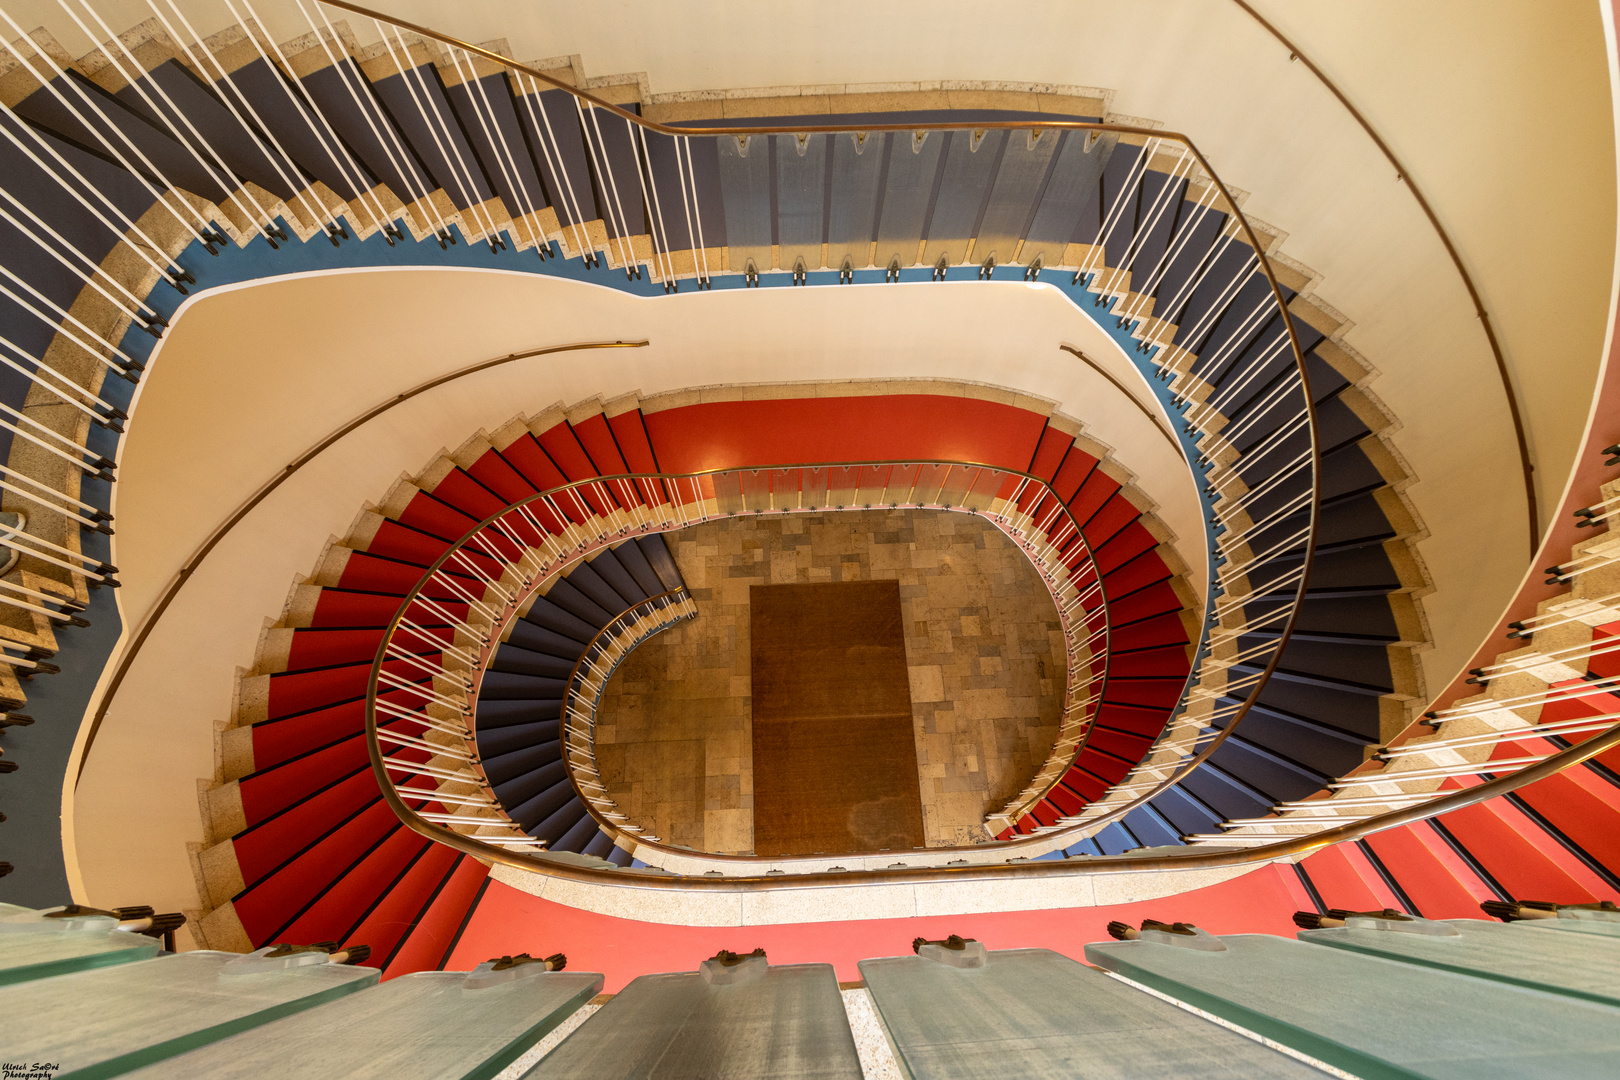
[570, 203]
[416, 184]
[161, 195]
[497, 143]
[134, 76]
[354, 174]
[292, 178]
[598, 152]
[411, 79]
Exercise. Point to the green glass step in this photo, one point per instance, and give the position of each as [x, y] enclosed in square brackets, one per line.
[1032, 1013]
[1594, 927]
[1379, 1019]
[788, 1024]
[110, 1020]
[1580, 966]
[24, 957]
[426, 1026]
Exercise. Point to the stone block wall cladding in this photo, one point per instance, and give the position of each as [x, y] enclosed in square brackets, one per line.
[983, 647]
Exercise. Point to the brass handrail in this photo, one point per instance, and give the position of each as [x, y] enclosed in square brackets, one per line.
[1085, 866]
[1404, 176]
[380, 765]
[149, 620]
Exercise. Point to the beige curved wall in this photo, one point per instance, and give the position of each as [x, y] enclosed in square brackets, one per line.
[250, 378]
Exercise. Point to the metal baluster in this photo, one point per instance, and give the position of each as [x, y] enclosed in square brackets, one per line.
[335, 148]
[497, 141]
[292, 179]
[222, 176]
[697, 209]
[161, 195]
[411, 79]
[150, 320]
[556, 164]
[611, 188]
[400, 161]
[178, 276]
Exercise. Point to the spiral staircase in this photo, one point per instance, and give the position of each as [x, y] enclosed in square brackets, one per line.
[416, 716]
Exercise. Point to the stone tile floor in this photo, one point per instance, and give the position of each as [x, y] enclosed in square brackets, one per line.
[983, 647]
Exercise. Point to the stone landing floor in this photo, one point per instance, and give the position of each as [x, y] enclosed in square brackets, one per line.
[983, 648]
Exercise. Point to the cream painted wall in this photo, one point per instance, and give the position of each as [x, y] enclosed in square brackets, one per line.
[1500, 110]
[222, 411]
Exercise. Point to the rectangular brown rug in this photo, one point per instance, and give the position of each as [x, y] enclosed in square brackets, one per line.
[835, 757]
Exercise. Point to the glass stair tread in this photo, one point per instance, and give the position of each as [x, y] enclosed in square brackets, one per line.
[427, 1026]
[1377, 1018]
[1583, 967]
[119, 1018]
[24, 957]
[1574, 926]
[1033, 1013]
[788, 1024]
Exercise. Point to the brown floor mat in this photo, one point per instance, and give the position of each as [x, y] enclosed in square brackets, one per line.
[835, 757]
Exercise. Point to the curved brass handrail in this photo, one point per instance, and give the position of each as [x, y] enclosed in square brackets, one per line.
[149, 621]
[1403, 175]
[1086, 866]
[380, 765]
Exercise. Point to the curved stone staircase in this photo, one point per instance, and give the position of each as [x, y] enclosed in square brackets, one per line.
[388, 151]
[303, 830]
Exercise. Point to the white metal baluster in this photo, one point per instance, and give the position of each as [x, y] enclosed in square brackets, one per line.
[466, 597]
[675, 142]
[1207, 322]
[9, 538]
[428, 635]
[15, 475]
[598, 152]
[469, 193]
[436, 123]
[90, 279]
[497, 141]
[656, 211]
[87, 468]
[400, 161]
[1223, 473]
[1173, 251]
[335, 148]
[130, 363]
[1223, 398]
[1116, 212]
[64, 511]
[122, 235]
[162, 196]
[1239, 333]
[433, 696]
[226, 179]
[316, 212]
[697, 209]
[1149, 221]
[569, 203]
[460, 556]
[1225, 238]
[477, 633]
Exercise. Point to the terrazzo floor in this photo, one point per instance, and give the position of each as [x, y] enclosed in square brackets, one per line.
[984, 653]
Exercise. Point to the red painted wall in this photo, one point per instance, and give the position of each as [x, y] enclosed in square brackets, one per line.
[509, 921]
